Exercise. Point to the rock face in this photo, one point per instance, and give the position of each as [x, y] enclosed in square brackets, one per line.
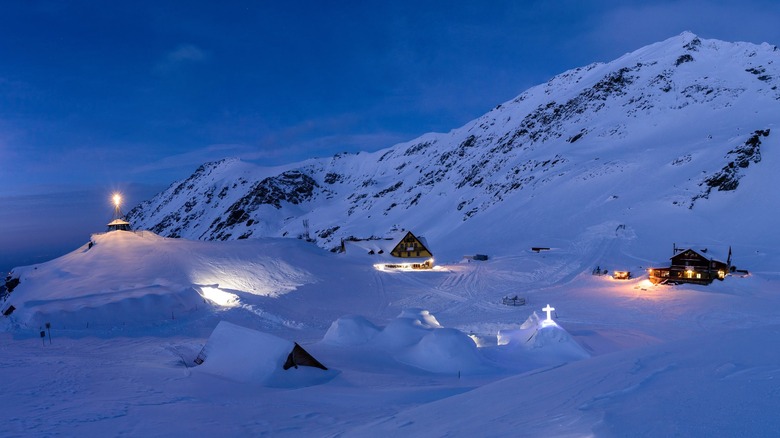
[669, 122]
[727, 178]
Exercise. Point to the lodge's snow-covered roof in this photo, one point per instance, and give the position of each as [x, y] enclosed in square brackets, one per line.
[706, 253]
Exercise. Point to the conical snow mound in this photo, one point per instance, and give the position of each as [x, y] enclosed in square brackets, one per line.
[543, 338]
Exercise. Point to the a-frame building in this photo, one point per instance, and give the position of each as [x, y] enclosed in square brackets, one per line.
[402, 250]
[410, 247]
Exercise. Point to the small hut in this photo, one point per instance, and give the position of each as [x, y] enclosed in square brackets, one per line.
[119, 224]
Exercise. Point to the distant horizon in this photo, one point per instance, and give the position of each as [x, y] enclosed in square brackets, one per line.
[83, 214]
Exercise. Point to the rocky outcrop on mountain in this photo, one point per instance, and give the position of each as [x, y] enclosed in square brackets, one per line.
[727, 179]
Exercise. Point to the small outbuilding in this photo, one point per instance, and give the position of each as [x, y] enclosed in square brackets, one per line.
[119, 224]
[621, 275]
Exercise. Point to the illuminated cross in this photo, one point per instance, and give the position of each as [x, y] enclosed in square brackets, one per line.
[548, 309]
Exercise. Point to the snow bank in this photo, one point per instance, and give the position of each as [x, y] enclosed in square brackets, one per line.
[145, 306]
[249, 356]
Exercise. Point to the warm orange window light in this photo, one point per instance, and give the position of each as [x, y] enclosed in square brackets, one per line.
[621, 275]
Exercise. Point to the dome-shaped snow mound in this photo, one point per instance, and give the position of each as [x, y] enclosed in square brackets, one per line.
[407, 329]
[401, 332]
[445, 350]
[350, 330]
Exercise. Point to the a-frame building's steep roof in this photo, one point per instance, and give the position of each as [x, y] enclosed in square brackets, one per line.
[411, 247]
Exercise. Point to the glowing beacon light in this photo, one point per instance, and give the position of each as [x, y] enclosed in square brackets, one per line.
[119, 223]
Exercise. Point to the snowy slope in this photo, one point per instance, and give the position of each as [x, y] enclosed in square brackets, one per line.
[721, 385]
[681, 127]
[138, 278]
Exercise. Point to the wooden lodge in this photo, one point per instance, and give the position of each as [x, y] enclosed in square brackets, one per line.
[403, 251]
[410, 247]
[691, 266]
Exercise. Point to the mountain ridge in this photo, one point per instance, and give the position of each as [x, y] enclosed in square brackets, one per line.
[688, 116]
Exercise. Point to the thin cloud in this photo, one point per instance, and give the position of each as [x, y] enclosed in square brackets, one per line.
[183, 54]
[325, 136]
[199, 156]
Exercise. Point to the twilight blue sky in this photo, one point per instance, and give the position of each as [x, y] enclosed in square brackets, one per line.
[97, 96]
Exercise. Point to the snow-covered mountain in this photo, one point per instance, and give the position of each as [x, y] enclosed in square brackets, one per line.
[677, 127]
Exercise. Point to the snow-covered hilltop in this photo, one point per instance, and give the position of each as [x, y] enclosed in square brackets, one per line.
[674, 124]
